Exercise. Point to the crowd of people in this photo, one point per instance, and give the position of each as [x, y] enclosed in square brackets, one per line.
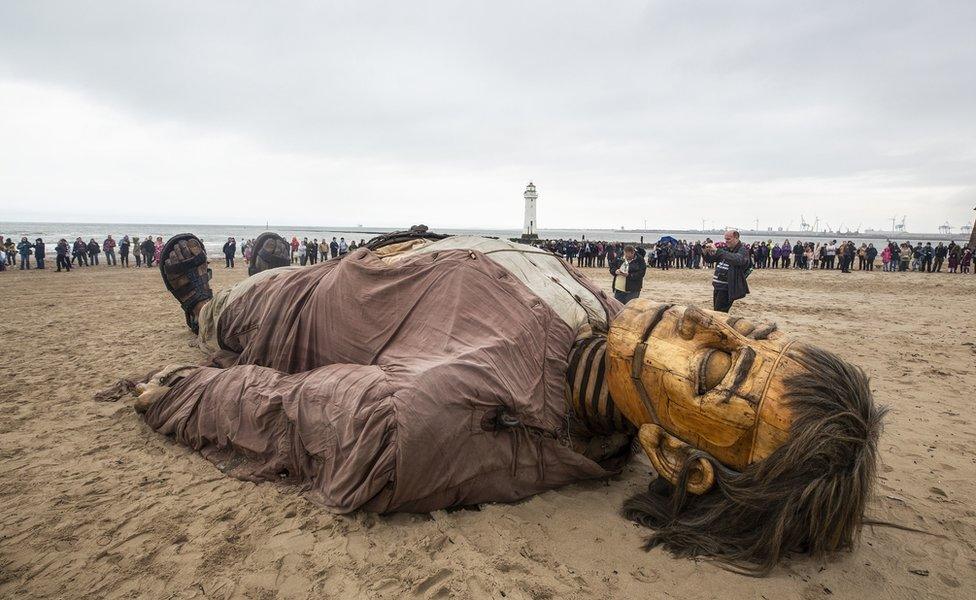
[305, 252]
[668, 253]
[844, 256]
[145, 251]
[80, 253]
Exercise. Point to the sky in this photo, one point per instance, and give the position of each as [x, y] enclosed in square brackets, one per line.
[676, 114]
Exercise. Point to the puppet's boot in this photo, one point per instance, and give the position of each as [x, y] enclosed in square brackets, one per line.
[183, 264]
[270, 252]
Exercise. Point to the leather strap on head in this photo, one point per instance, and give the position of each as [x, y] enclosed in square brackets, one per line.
[762, 399]
[638, 363]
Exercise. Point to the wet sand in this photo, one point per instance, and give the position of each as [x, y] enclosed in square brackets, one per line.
[93, 504]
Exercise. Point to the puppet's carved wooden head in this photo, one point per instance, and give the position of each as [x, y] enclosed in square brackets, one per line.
[692, 378]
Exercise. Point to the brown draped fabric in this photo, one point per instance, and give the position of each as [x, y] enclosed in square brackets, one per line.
[437, 381]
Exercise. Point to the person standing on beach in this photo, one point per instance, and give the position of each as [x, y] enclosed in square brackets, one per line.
[137, 251]
[870, 254]
[24, 247]
[905, 257]
[928, 252]
[108, 247]
[313, 252]
[323, 249]
[61, 251]
[79, 252]
[39, 252]
[148, 249]
[848, 259]
[831, 252]
[334, 248]
[731, 264]
[939, 254]
[10, 249]
[230, 250]
[303, 252]
[953, 253]
[628, 275]
[124, 245]
[93, 251]
[343, 247]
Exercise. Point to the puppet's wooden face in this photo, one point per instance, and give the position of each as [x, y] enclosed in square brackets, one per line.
[700, 381]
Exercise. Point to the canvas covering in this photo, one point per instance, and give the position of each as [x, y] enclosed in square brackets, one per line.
[380, 384]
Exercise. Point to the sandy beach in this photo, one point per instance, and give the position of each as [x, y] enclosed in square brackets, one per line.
[93, 504]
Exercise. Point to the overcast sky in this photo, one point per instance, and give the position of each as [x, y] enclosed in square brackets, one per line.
[386, 114]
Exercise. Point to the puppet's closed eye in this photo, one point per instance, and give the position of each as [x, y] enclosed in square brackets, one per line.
[714, 368]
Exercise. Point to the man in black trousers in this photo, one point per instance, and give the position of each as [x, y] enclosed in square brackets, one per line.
[732, 264]
[230, 250]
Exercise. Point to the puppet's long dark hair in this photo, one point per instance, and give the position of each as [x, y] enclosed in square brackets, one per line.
[808, 496]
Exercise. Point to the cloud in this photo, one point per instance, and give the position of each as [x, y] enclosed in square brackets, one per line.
[441, 111]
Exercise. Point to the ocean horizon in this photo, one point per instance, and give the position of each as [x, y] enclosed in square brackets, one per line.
[214, 235]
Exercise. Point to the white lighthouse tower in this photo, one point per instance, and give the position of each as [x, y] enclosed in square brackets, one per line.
[529, 231]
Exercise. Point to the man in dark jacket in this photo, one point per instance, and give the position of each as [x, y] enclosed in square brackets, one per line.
[148, 250]
[940, 254]
[39, 252]
[846, 254]
[230, 251]
[25, 248]
[628, 275]
[63, 250]
[869, 255]
[927, 254]
[731, 264]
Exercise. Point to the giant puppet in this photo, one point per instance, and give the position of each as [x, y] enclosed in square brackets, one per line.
[421, 372]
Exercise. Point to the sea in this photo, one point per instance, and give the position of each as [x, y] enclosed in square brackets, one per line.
[214, 236]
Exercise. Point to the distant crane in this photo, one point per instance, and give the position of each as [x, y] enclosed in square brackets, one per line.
[816, 224]
[757, 225]
[901, 226]
[945, 228]
[804, 226]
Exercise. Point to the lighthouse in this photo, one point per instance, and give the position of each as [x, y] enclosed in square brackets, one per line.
[529, 231]
[972, 232]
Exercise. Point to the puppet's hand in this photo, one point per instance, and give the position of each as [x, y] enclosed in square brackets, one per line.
[158, 385]
[150, 392]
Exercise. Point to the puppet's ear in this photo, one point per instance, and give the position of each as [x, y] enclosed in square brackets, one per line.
[668, 455]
